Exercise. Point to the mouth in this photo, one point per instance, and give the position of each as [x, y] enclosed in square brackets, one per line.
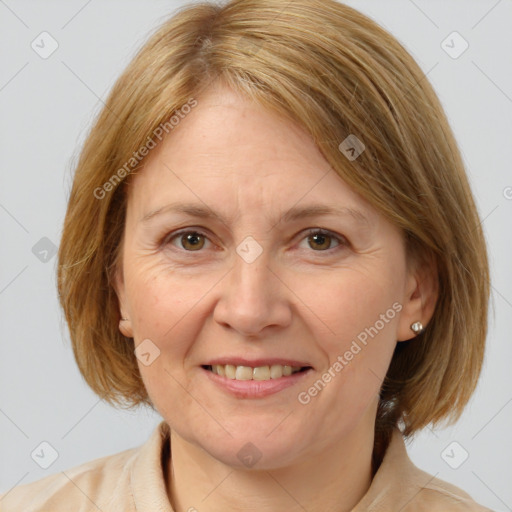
[260, 373]
[255, 379]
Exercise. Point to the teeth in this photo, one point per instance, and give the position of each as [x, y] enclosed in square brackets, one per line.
[229, 369]
[243, 373]
[261, 373]
[276, 371]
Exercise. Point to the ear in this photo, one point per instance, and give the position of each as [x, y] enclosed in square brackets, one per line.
[420, 297]
[125, 324]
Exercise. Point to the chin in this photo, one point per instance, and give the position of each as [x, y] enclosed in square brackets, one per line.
[252, 449]
[254, 456]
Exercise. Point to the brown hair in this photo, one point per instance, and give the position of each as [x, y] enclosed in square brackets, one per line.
[335, 72]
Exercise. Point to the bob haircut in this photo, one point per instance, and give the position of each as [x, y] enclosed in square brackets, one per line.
[335, 72]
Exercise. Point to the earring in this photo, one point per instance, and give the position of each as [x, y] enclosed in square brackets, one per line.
[417, 327]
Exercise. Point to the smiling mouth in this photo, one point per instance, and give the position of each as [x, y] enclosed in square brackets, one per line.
[270, 372]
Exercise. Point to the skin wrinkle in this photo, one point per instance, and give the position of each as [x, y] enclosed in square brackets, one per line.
[286, 303]
[357, 242]
[292, 214]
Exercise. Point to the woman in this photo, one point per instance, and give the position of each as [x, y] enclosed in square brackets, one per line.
[271, 240]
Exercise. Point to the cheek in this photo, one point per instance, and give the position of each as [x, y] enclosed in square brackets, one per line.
[362, 310]
[350, 303]
[163, 308]
[164, 303]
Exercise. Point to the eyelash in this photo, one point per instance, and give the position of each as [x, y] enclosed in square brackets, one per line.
[342, 241]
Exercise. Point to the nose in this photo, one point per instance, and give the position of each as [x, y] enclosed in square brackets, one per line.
[253, 299]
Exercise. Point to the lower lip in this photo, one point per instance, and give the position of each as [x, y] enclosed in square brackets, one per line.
[255, 388]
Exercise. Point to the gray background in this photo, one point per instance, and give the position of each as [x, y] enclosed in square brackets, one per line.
[47, 107]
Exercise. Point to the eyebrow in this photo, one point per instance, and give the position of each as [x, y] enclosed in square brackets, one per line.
[293, 214]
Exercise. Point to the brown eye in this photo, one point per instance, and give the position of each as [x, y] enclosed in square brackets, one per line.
[323, 241]
[319, 241]
[192, 241]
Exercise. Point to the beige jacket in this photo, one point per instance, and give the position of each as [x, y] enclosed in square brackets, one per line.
[133, 481]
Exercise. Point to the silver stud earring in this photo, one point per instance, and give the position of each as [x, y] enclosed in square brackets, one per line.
[417, 327]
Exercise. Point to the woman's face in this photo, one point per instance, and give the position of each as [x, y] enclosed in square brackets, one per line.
[223, 264]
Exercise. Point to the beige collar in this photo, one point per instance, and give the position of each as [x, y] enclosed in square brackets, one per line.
[397, 486]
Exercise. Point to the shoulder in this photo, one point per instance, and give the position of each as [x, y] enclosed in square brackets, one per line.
[440, 495]
[87, 486]
[401, 485]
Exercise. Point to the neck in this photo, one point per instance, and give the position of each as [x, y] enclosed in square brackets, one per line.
[334, 479]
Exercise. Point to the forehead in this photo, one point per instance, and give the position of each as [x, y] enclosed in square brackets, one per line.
[232, 152]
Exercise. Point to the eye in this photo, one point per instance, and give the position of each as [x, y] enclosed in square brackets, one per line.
[189, 240]
[321, 240]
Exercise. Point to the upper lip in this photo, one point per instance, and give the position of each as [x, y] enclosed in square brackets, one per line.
[267, 361]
